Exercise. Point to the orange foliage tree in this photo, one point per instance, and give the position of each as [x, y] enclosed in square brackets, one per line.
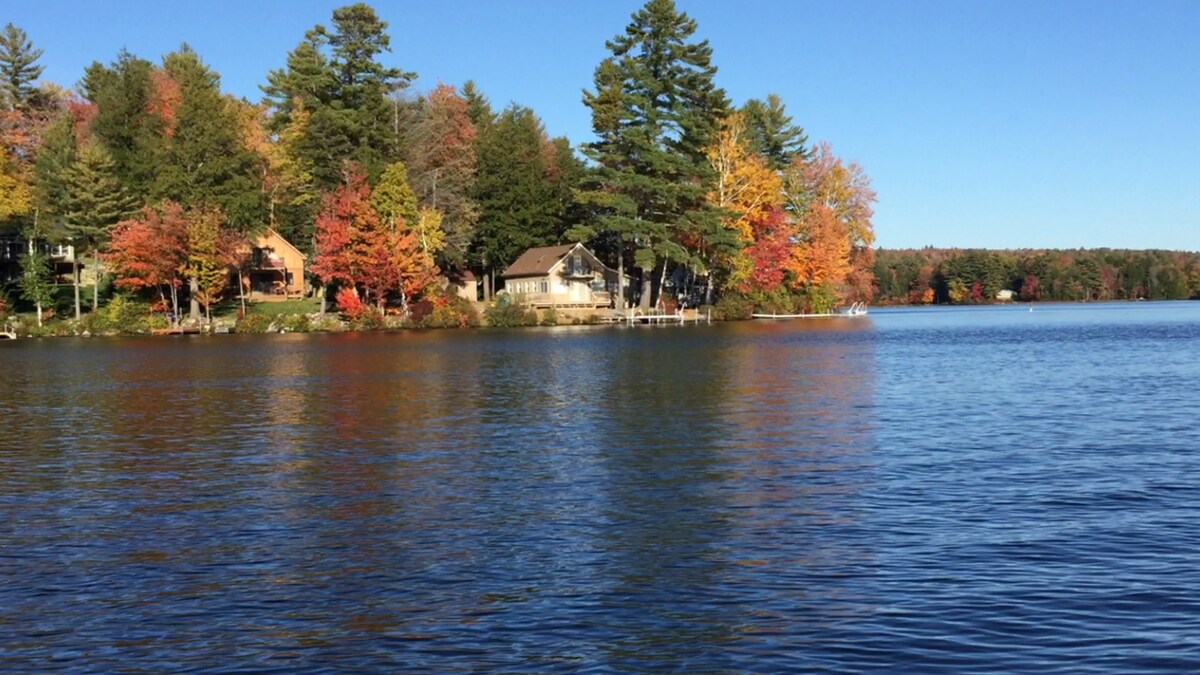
[358, 248]
[151, 251]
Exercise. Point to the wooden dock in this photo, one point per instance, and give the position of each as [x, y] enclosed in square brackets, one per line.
[635, 318]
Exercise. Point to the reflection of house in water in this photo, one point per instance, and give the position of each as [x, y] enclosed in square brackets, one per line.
[563, 276]
[276, 268]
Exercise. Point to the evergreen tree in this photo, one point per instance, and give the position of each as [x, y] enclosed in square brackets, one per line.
[97, 202]
[51, 173]
[514, 190]
[337, 76]
[18, 69]
[770, 132]
[479, 108]
[126, 122]
[655, 110]
[206, 161]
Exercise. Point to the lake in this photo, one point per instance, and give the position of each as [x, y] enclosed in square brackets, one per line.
[933, 490]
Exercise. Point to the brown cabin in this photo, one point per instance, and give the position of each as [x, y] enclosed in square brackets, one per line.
[276, 269]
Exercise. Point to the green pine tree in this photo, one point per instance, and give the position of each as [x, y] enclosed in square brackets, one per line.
[514, 189]
[337, 74]
[205, 159]
[18, 68]
[96, 203]
[654, 111]
[770, 132]
[125, 123]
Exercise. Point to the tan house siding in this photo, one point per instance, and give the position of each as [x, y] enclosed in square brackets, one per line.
[276, 267]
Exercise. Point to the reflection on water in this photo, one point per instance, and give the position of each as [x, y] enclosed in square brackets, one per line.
[842, 494]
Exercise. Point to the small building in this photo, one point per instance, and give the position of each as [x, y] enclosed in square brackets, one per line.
[463, 284]
[276, 268]
[562, 276]
[1006, 295]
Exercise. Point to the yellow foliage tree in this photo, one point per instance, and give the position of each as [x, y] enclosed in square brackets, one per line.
[16, 199]
[746, 189]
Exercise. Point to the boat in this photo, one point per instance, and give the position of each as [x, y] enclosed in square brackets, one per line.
[856, 310]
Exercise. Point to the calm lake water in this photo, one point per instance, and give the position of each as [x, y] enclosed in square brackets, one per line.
[944, 490]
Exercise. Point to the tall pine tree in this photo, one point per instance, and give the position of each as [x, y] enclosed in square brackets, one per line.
[770, 132]
[18, 68]
[654, 110]
[97, 202]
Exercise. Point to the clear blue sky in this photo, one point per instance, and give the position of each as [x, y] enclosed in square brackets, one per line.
[982, 123]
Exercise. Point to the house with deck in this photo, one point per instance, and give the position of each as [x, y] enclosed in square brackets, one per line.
[562, 276]
[275, 269]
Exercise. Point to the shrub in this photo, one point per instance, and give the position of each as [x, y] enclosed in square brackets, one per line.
[123, 315]
[550, 317]
[294, 323]
[449, 311]
[254, 323]
[370, 319]
[506, 312]
[328, 322]
[733, 307]
[349, 304]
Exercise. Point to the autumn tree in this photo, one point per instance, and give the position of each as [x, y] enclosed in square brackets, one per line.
[655, 110]
[832, 204]
[206, 262]
[150, 251]
[442, 168]
[747, 191]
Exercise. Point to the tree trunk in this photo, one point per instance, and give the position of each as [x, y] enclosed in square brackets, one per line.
[620, 303]
[193, 301]
[241, 292]
[75, 278]
[95, 280]
[662, 281]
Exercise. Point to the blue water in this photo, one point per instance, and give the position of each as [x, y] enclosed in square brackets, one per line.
[944, 490]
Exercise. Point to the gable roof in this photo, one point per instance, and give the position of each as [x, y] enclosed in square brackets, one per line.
[270, 233]
[538, 261]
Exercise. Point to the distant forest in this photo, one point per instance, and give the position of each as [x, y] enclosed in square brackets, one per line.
[958, 276]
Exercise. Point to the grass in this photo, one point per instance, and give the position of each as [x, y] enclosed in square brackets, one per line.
[301, 306]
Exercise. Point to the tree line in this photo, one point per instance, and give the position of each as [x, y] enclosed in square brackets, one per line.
[956, 276]
[159, 178]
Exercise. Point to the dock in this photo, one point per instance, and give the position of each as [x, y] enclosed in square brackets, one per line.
[653, 318]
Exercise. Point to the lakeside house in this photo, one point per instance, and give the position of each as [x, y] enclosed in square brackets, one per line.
[62, 257]
[568, 275]
[276, 268]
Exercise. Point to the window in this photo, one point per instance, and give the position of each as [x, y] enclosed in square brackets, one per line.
[543, 286]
